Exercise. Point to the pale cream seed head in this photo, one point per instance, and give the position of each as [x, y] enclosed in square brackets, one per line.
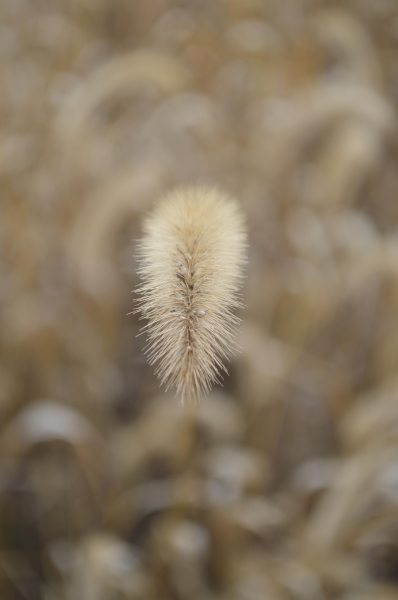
[191, 259]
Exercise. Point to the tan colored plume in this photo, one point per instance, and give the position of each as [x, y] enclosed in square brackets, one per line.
[191, 265]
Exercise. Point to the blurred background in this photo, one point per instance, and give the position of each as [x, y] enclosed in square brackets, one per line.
[283, 484]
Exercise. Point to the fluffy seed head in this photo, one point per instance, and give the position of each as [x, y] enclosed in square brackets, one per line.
[191, 259]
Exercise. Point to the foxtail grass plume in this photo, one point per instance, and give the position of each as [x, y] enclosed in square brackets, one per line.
[191, 260]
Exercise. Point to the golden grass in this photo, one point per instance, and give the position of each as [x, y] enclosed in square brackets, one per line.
[282, 484]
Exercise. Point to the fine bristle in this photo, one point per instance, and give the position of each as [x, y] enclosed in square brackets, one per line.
[190, 265]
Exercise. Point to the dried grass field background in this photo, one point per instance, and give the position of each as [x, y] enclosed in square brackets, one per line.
[283, 484]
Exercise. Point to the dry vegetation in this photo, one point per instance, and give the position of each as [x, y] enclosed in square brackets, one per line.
[283, 485]
[191, 259]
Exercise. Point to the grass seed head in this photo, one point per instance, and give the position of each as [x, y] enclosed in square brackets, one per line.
[191, 260]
